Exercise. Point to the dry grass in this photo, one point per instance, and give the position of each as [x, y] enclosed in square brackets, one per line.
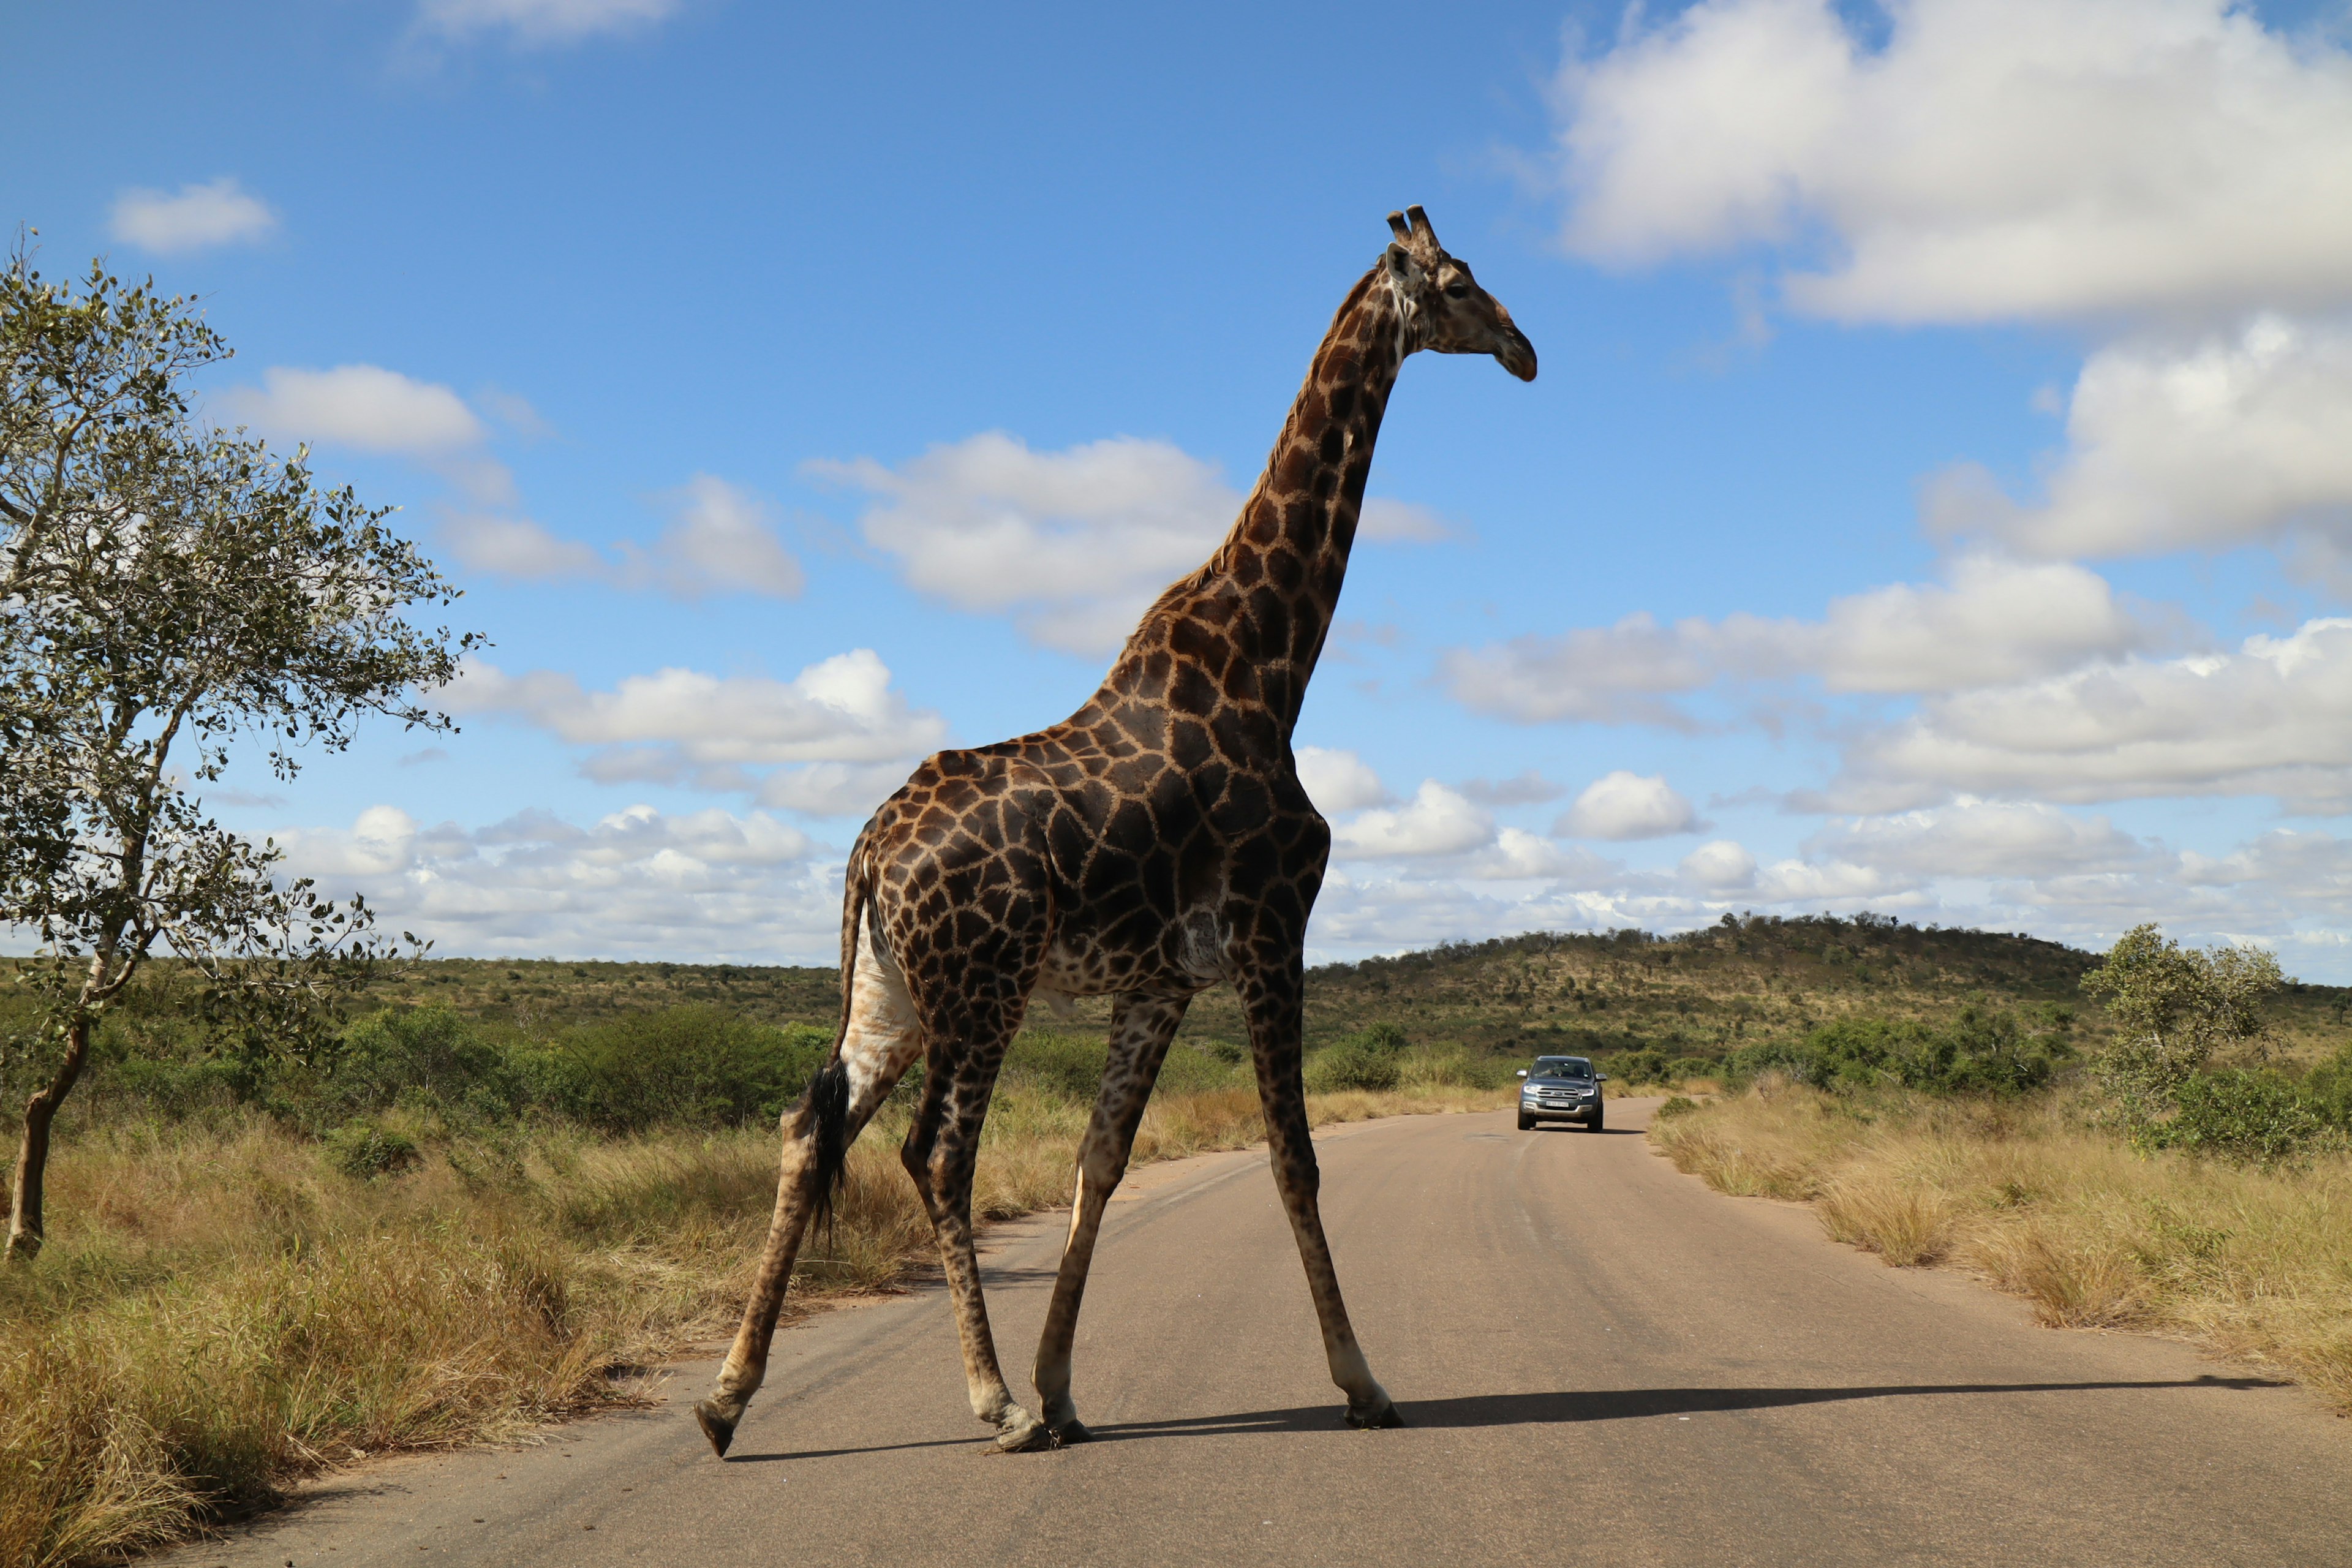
[2250, 1263]
[220, 1312]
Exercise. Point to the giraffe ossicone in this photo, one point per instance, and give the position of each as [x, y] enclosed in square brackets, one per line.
[1153, 844]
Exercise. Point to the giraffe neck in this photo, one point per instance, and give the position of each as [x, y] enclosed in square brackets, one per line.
[1270, 590]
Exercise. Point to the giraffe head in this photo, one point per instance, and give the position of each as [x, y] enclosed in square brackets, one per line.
[1444, 307]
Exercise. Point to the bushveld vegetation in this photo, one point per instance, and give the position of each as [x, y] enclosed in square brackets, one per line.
[507, 1183]
[452, 1227]
[2193, 1180]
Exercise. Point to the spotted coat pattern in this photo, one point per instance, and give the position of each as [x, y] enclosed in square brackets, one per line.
[1155, 842]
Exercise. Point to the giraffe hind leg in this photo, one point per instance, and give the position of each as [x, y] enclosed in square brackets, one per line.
[877, 1048]
[941, 1154]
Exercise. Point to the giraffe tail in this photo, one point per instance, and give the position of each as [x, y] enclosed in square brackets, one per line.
[826, 1109]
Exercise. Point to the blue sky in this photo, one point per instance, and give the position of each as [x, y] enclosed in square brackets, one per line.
[1936, 401]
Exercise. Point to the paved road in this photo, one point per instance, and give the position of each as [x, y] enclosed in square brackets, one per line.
[1602, 1362]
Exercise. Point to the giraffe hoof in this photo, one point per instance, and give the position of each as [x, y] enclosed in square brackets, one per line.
[716, 1425]
[1071, 1431]
[1024, 1434]
[1379, 1419]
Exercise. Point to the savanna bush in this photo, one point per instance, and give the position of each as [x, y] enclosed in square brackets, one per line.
[1368, 1059]
[1980, 1050]
[2239, 1113]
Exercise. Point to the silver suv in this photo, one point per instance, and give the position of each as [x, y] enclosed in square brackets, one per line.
[1561, 1088]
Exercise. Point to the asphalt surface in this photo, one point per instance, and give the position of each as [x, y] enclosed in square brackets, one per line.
[1602, 1361]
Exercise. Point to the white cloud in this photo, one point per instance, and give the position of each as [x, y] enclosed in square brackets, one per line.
[1076, 543]
[1721, 866]
[1338, 781]
[1994, 159]
[1994, 620]
[192, 218]
[1518, 855]
[1401, 523]
[1981, 838]
[2220, 442]
[840, 710]
[833, 789]
[2272, 717]
[707, 885]
[721, 540]
[1435, 822]
[362, 406]
[1526, 787]
[1073, 544]
[516, 547]
[1623, 804]
[538, 23]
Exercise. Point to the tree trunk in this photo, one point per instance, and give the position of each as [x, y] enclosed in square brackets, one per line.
[24, 1231]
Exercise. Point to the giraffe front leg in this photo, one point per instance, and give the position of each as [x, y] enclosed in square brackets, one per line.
[1276, 1041]
[1141, 1029]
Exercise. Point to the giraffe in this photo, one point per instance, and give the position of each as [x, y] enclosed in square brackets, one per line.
[1155, 842]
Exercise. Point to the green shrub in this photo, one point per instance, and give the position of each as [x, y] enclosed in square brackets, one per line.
[1643, 1065]
[1683, 1067]
[1982, 1051]
[429, 1058]
[2329, 1091]
[366, 1150]
[689, 1067]
[2240, 1114]
[1353, 1063]
[1677, 1105]
[1067, 1065]
[1189, 1070]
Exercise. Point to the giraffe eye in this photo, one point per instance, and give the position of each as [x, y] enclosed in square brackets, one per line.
[1457, 290]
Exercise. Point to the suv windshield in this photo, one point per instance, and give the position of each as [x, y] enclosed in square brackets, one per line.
[1562, 1066]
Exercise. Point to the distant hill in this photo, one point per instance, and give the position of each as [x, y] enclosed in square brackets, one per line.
[1697, 994]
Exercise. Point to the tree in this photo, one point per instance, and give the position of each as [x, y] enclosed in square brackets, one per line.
[2176, 1007]
[166, 590]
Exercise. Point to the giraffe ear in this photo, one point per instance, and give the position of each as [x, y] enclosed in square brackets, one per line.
[1402, 266]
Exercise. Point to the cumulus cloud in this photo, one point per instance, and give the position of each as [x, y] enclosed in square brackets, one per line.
[1993, 159]
[637, 883]
[1338, 781]
[1437, 821]
[1073, 544]
[1981, 838]
[1526, 787]
[2274, 717]
[1721, 866]
[516, 547]
[540, 22]
[1401, 523]
[1993, 619]
[682, 724]
[720, 539]
[1517, 855]
[2225, 440]
[193, 218]
[364, 407]
[1624, 805]
[833, 789]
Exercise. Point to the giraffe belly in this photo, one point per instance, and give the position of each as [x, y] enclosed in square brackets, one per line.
[1187, 958]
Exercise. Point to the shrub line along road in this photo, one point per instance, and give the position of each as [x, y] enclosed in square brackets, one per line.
[1602, 1362]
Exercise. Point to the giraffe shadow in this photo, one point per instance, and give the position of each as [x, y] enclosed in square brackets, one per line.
[1618, 1405]
[1551, 1409]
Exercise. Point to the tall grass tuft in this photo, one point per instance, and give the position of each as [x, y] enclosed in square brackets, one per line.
[227, 1306]
[2251, 1262]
